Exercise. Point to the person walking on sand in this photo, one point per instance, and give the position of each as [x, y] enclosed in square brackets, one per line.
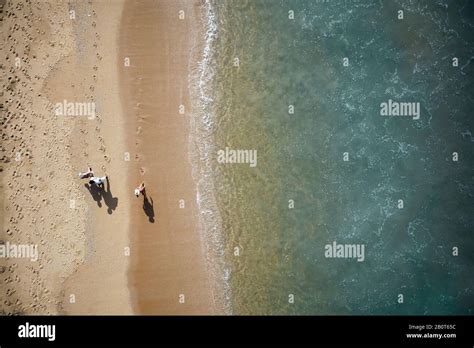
[87, 174]
[140, 189]
[98, 181]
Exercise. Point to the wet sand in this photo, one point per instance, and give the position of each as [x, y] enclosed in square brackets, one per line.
[168, 272]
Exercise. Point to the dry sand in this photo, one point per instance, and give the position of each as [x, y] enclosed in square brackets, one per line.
[42, 203]
[82, 266]
[83, 239]
[100, 284]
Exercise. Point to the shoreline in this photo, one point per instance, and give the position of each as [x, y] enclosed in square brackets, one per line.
[202, 94]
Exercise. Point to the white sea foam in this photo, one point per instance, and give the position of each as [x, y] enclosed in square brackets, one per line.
[201, 148]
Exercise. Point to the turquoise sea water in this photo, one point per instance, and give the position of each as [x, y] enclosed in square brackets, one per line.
[299, 62]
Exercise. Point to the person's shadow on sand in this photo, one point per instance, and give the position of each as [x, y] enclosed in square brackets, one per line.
[95, 192]
[110, 201]
[148, 208]
[98, 193]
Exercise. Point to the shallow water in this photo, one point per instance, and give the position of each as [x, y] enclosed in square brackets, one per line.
[299, 62]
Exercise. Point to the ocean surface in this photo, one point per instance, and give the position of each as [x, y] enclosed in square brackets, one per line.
[330, 168]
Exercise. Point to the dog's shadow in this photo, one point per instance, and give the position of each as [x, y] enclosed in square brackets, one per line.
[110, 201]
[148, 208]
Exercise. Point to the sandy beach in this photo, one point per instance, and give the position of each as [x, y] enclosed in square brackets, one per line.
[43, 204]
[100, 284]
[168, 273]
[106, 252]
